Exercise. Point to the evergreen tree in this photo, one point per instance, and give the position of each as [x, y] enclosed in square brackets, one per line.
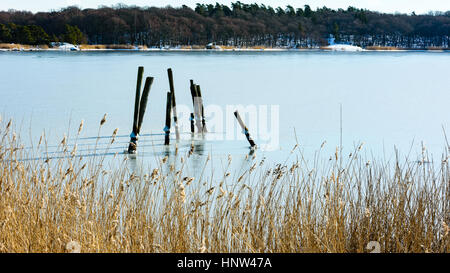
[201, 9]
[336, 32]
[73, 35]
[40, 37]
[308, 11]
[23, 35]
[5, 34]
[290, 10]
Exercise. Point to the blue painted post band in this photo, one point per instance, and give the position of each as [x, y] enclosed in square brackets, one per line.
[133, 135]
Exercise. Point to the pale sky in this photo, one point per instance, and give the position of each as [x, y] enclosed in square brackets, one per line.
[389, 6]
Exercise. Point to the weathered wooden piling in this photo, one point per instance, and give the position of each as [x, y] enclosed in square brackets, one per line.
[174, 105]
[199, 94]
[168, 112]
[193, 92]
[244, 129]
[137, 98]
[134, 132]
[197, 111]
[143, 102]
[192, 116]
[196, 104]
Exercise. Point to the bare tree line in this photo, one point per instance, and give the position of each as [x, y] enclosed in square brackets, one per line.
[238, 25]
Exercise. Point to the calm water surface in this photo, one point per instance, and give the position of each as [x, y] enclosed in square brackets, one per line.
[388, 99]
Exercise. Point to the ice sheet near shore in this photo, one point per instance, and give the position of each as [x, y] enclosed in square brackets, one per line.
[335, 47]
[338, 47]
[69, 47]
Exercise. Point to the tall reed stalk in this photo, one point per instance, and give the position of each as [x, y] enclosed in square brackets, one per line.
[73, 204]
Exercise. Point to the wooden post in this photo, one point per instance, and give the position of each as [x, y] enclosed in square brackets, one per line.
[196, 104]
[174, 105]
[193, 91]
[244, 129]
[192, 117]
[137, 98]
[143, 102]
[197, 110]
[199, 94]
[134, 132]
[168, 111]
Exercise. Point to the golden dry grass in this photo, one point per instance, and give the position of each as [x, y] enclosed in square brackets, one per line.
[382, 48]
[21, 46]
[75, 204]
[227, 47]
[197, 47]
[86, 46]
[438, 48]
[112, 46]
[258, 47]
[13, 46]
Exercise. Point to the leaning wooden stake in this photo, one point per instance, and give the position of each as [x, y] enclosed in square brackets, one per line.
[244, 129]
[174, 105]
[168, 111]
[192, 91]
[134, 132]
[192, 117]
[196, 104]
[143, 102]
[197, 111]
[199, 94]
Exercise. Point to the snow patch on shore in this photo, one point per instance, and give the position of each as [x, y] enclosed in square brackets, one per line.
[342, 47]
[65, 46]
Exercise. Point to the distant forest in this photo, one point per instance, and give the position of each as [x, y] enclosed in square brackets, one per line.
[237, 25]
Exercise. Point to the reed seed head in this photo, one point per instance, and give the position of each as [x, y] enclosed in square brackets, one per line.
[80, 128]
[182, 192]
[103, 120]
[64, 140]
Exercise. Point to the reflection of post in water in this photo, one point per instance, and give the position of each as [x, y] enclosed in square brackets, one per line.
[169, 159]
[198, 161]
[250, 154]
[247, 161]
[199, 147]
[166, 151]
[134, 165]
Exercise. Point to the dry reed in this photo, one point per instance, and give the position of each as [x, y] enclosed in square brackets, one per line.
[382, 48]
[73, 204]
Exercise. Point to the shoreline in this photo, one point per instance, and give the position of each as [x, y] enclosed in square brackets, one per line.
[28, 48]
